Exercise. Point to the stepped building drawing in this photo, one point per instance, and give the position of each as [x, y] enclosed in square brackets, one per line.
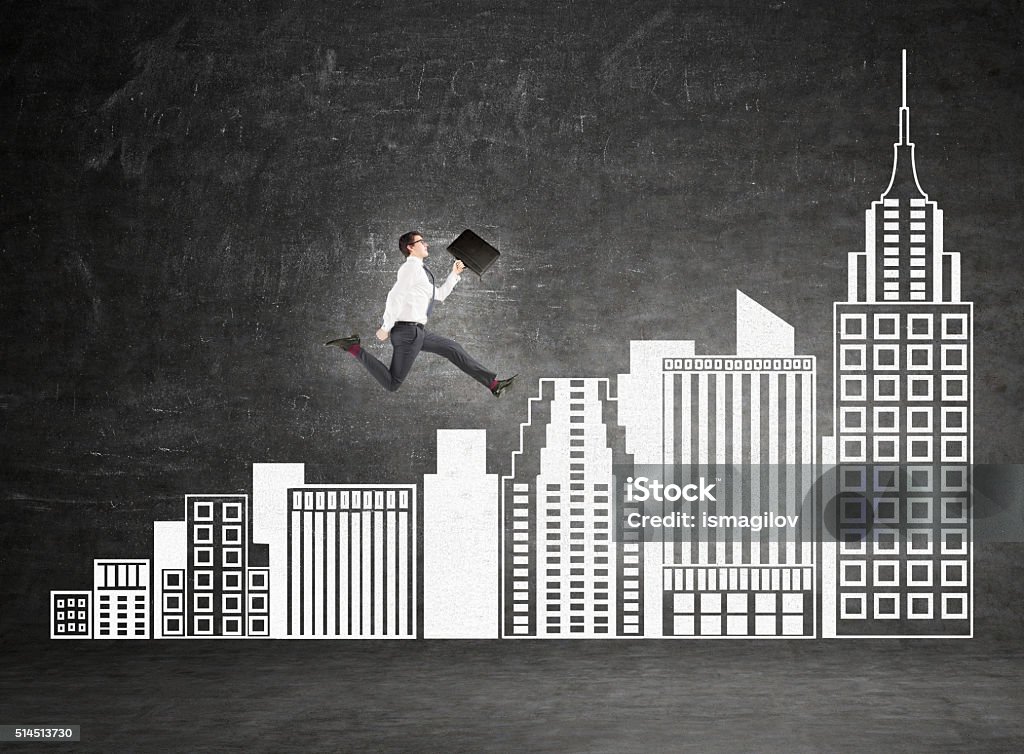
[564, 574]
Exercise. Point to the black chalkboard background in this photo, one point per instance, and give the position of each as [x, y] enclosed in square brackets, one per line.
[194, 196]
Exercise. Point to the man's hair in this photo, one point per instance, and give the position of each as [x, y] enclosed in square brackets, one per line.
[406, 239]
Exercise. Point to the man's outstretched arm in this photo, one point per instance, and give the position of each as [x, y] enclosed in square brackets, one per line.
[441, 292]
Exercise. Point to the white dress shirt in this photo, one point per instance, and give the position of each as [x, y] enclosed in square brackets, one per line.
[409, 297]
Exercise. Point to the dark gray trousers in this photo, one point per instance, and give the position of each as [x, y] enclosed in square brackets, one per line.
[406, 342]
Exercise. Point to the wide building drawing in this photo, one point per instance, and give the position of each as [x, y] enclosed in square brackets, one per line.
[351, 568]
[120, 594]
[746, 422]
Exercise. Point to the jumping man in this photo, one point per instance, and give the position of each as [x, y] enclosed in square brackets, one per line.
[408, 306]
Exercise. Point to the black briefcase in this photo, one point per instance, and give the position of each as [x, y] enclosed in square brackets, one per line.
[473, 251]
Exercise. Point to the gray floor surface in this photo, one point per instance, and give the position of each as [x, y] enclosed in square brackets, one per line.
[521, 696]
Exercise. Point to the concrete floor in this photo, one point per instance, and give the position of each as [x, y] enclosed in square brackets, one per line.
[515, 696]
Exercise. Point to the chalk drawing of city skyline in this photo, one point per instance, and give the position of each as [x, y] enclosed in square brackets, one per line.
[880, 535]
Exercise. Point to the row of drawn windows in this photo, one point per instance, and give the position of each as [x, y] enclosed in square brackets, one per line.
[916, 448]
[202, 534]
[231, 557]
[203, 603]
[230, 581]
[133, 574]
[174, 625]
[68, 615]
[378, 500]
[915, 387]
[891, 326]
[738, 365]
[915, 541]
[713, 616]
[914, 358]
[917, 419]
[889, 572]
[71, 602]
[175, 580]
[912, 510]
[854, 606]
[856, 478]
[203, 510]
[72, 628]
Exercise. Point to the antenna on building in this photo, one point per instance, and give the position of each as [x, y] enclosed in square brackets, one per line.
[904, 78]
[904, 110]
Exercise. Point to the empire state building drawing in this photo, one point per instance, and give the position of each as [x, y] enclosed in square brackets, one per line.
[900, 561]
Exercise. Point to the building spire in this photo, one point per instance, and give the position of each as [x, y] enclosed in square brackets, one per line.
[904, 78]
[904, 110]
[904, 171]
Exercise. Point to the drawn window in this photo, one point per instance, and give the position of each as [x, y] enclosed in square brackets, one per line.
[920, 606]
[887, 326]
[887, 606]
[885, 419]
[919, 358]
[852, 326]
[852, 388]
[919, 420]
[887, 388]
[954, 326]
[886, 358]
[852, 357]
[851, 420]
[954, 357]
[919, 326]
[954, 388]
[954, 419]
[920, 388]
[886, 448]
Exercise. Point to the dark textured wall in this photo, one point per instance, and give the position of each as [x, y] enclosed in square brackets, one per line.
[193, 196]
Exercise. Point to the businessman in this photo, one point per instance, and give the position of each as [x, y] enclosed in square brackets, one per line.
[408, 306]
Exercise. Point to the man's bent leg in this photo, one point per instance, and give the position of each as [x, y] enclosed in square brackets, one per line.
[457, 355]
[405, 346]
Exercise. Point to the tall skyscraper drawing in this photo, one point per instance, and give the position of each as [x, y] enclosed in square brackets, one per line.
[460, 540]
[899, 560]
[746, 422]
[217, 531]
[565, 573]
